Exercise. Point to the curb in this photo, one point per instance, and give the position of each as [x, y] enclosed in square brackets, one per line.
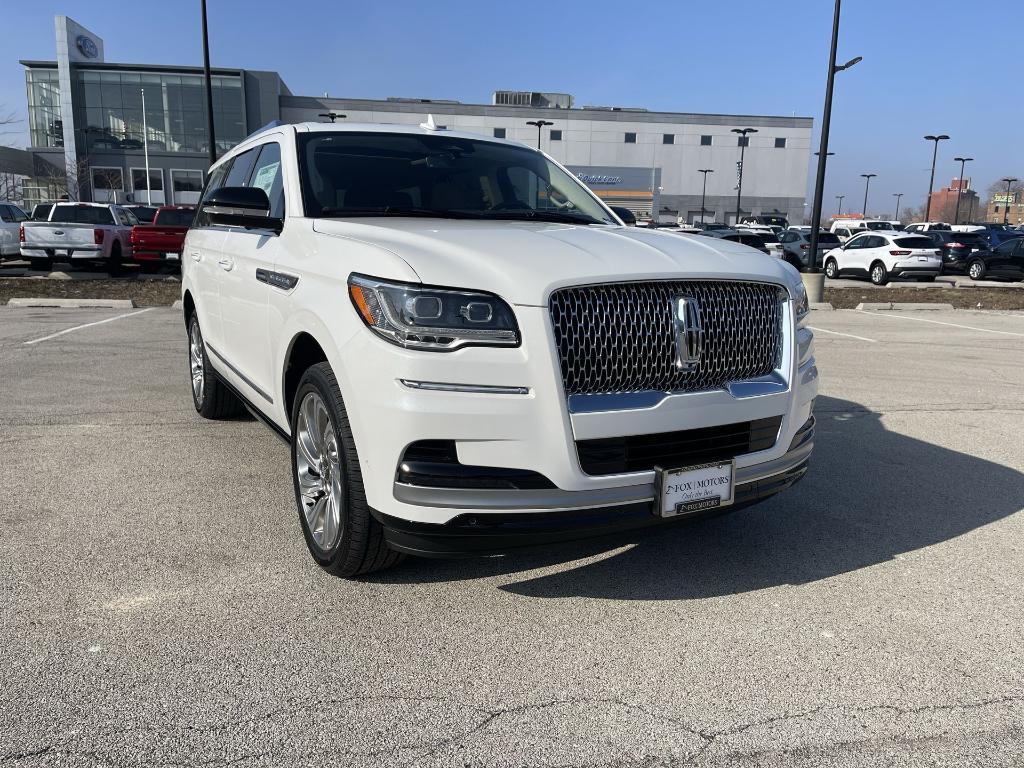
[73, 303]
[176, 305]
[904, 306]
[823, 307]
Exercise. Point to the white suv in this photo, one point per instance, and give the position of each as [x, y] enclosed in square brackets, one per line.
[880, 256]
[468, 352]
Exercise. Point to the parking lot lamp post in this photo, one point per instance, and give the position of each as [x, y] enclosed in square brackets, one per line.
[209, 89]
[744, 139]
[897, 195]
[703, 190]
[839, 207]
[815, 285]
[1006, 207]
[960, 189]
[332, 116]
[145, 147]
[540, 124]
[931, 181]
[867, 183]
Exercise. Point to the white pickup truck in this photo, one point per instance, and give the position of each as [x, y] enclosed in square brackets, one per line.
[79, 232]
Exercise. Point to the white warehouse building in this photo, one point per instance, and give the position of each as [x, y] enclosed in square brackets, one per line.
[646, 161]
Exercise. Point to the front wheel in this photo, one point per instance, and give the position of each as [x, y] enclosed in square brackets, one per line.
[831, 269]
[340, 531]
[977, 270]
[879, 276]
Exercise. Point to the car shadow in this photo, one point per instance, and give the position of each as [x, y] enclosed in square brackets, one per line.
[870, 495]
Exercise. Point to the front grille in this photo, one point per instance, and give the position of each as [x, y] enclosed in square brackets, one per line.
[621, 337]
[674, 450]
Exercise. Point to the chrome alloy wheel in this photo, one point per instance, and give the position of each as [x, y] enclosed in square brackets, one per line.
[976, 270]
[195, 357]
[318, 471]
[877, 274]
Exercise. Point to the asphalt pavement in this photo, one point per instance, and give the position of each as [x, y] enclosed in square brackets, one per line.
[158, 606]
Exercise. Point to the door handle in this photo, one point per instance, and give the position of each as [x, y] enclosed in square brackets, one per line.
[226, 264]
[196, 255]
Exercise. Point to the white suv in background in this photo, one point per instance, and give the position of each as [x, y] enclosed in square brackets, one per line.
[880, 256]
[468, 352]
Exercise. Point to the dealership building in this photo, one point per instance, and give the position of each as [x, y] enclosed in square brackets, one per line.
[88, 135]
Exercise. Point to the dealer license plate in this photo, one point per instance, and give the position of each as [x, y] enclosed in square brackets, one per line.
[695, 489]
[172, 256]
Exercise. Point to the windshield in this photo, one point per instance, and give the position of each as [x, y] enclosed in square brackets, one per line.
[82, 214]
[143, 213]
[386, 174]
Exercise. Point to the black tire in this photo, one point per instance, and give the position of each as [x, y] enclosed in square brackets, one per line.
[976, 270]
[878, 273]
[211, 398]
[115, 264]
[41, 264]
[359, 546]
[831, 269]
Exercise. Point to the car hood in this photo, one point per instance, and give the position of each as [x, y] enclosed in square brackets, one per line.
[525, 261]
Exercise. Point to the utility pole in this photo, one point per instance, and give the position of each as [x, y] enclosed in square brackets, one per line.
[867, 183]
[931, 181]
[897, 195]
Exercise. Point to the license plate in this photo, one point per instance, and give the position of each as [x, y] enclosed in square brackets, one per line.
[922, 258]
[172, 256]
[695, 489]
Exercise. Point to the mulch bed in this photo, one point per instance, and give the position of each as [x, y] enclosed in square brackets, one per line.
[960, 298]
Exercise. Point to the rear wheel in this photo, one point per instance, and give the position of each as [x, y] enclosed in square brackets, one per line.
[879, 275]
[211, 398]
[340, 531]
[976, 270]
[831, 269]
[115, 265]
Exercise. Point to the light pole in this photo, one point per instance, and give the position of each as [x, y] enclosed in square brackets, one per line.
[703, 190]
[743, 141]
[145, 148]
[817, 285]
[897, 195]
[839, 207]
[867, 183]
[540, 124]
[931, 181]
[209, 89]
[1006, 208]
[960, 189]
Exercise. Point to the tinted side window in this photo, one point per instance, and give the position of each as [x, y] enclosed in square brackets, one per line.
[214, 182]
[267, 175]
[6, 214]
[857, 242]
[238, 176]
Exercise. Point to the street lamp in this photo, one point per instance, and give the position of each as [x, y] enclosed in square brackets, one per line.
[332, 116]
[1006, 208]
[839, 208]
[743, 132]
[931, 181]
[817, 286]
[897, 195]
[703, 190]
[209, 88]
[867, 183]
[540, 124]
[960, 189]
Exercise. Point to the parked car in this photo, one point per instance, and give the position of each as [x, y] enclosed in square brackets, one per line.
[709, 226]
[956, 248]
[11, 217]
[767, 236]
[796, 247]
[766, 220]
[160, 242]
[77, 232]
[748, 239]
[998, 236]
[41, 212]
[144, 213]
[928, 226]
[1004, 261]
[881, 256]
[536, 399]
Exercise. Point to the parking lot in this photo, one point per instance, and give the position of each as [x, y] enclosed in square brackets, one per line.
[159, 606]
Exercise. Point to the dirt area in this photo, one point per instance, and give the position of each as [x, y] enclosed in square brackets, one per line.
[960, 298]
[147, 293]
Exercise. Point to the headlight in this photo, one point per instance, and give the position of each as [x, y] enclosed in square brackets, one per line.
[801, 305]
[436, 319]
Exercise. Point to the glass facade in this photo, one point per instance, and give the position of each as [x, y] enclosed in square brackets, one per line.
[45, 126]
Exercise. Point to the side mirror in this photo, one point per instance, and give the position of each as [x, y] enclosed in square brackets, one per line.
[240, 207]
[625, 214]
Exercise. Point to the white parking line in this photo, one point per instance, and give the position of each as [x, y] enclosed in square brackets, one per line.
[837, 333]
[87, 325]
[939, 322]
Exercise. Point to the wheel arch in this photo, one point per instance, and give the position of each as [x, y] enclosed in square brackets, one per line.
[188, 307]
[303, 351]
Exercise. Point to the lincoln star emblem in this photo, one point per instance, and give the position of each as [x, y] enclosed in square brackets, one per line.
[689, 333]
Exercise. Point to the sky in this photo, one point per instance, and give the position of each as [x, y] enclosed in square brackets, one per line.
[930, 66]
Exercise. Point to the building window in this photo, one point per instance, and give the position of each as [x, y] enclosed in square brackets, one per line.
[631, 138]
[556, 135]
[780, 143]
[499, 133]
[106, 183]
[668, 138]
[743, 141]
[156, 181]
[186, 186]
[705, 141]
[45, 127]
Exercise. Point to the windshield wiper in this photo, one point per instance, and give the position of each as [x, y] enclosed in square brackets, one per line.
[393, 210]
[532, 215]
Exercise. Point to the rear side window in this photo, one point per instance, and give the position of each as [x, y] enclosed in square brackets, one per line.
[266, 175]
[238, 176]
[914, 242]
[41, 212]
[82, 214]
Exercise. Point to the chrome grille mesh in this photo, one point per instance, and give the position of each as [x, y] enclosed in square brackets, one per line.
[621, 337]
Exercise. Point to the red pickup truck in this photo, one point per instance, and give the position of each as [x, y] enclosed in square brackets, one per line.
[160, 242]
